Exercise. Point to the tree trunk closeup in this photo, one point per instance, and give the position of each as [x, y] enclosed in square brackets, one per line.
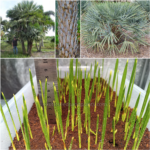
[67, 29]
[23, 47]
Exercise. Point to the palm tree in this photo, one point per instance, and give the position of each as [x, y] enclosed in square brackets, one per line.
[29, 22]
[67, 29]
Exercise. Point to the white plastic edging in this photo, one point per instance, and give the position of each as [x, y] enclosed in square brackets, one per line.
[27, 91]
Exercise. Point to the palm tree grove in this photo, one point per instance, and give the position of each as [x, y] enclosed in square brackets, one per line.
[28, 23]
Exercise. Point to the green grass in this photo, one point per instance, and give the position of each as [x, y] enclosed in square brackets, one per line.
[7, 49]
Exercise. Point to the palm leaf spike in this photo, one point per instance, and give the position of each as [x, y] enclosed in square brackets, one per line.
[26, 116]
[45, 101]
[131, 117]
[76, 72]
[70, 81]
[126, 124]
[80, 91]
[78, 110]
[116, 89]
[123, 97]
[58, 76]
[73, 107]
[67, 123]
[131, 122]
[145, 121]
[98, 82]
[97, 128]
[92, 88]
[130, 88]
[79, 121]
[53, 131]
[105, 117]
[109, 100]
[96, 99]
[89, 122]
[59, 113]
[56, 114]
[102, 67]
[27, 138]
[119, 102]
[114, 131]
[114, 77]
[46, 146]
[99, 146]
[19, 117]
[11, 116]
[145, 101]
[137, 126]
[70, 147]
[84, 76]
[131, 127]
[86, 101]
[4, 118]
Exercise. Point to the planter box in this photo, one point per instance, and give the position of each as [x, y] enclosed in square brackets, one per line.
[27, 91]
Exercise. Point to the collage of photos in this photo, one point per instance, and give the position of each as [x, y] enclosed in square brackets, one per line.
[75, 74]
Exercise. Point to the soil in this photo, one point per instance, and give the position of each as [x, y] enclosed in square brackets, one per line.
[56, 141]
[144, 52]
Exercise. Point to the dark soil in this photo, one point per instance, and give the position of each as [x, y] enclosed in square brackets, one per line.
[56, 141]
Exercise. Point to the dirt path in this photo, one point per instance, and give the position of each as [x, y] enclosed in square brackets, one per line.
[50, 54]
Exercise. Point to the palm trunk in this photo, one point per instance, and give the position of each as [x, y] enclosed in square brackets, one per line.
[39, 47]
[30, 47]
[23, 47]
[67, 30]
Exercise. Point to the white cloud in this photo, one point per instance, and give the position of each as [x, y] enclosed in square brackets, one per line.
[9, 4]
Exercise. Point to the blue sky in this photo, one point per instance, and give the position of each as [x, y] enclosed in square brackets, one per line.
[9, 4]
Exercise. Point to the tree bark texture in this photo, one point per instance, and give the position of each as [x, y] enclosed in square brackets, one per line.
[23, 47]
[67, 28]
[30, 47]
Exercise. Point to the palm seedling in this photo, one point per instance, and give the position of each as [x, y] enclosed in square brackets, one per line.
[130, 89]
[114, 27]
[143, 127]
[26, 131]
[11, 117]
[121, 93]
[4, 118]
[131, 123]
[116, 89]
[114, 78]
[114, 131]
[97, 124]
[105, 114]
[59, 114]
[41, 114]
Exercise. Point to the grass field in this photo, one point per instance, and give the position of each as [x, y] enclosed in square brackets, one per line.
[7, 49]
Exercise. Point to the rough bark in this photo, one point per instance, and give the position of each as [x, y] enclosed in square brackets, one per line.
[23, 47]
[67, 29]
[30, 47]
